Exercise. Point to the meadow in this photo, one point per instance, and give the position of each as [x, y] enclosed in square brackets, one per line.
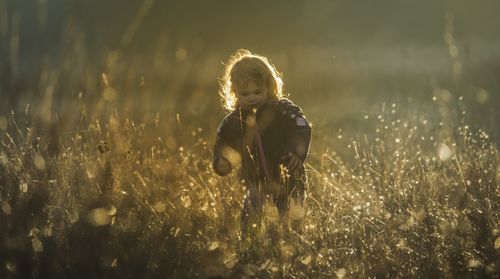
[118, 198]
[106, 158]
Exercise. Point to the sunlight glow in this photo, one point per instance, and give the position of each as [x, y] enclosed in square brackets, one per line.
[181, 54]
[444, 152]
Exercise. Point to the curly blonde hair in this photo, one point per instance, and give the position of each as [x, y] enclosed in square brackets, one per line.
[244, 66]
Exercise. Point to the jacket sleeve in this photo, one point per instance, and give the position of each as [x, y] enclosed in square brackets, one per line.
[224, 147]
[218, 147]
[298, 130]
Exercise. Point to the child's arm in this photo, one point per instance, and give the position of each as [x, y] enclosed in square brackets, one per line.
[297, 148]
[300, 139]
[299, 135]
[225, 156]
[221, 165]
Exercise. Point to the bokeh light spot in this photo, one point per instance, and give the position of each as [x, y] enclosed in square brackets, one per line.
[482, 96]
[109, 94]
[341, 272]
[444, 152]
[213, 245]
[497, 243]
[7, 210]
[453, 51]
[98, 217]
[181, 54]
[39, 162]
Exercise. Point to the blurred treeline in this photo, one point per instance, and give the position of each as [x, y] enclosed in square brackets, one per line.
[341, 59]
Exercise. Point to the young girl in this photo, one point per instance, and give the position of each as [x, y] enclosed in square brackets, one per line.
[265, 137]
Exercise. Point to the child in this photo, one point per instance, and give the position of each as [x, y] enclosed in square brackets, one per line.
[265, 136]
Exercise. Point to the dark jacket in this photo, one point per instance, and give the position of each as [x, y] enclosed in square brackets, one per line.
[282, 128]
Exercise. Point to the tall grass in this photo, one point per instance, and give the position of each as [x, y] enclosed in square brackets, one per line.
[125, 199]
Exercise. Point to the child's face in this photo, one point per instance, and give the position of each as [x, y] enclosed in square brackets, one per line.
[251, 95]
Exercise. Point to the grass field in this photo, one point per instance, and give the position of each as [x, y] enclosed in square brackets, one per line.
[105, 150]
[124, 199]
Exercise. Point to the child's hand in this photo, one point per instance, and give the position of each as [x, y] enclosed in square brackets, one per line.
[294, 161]
[222, 166]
